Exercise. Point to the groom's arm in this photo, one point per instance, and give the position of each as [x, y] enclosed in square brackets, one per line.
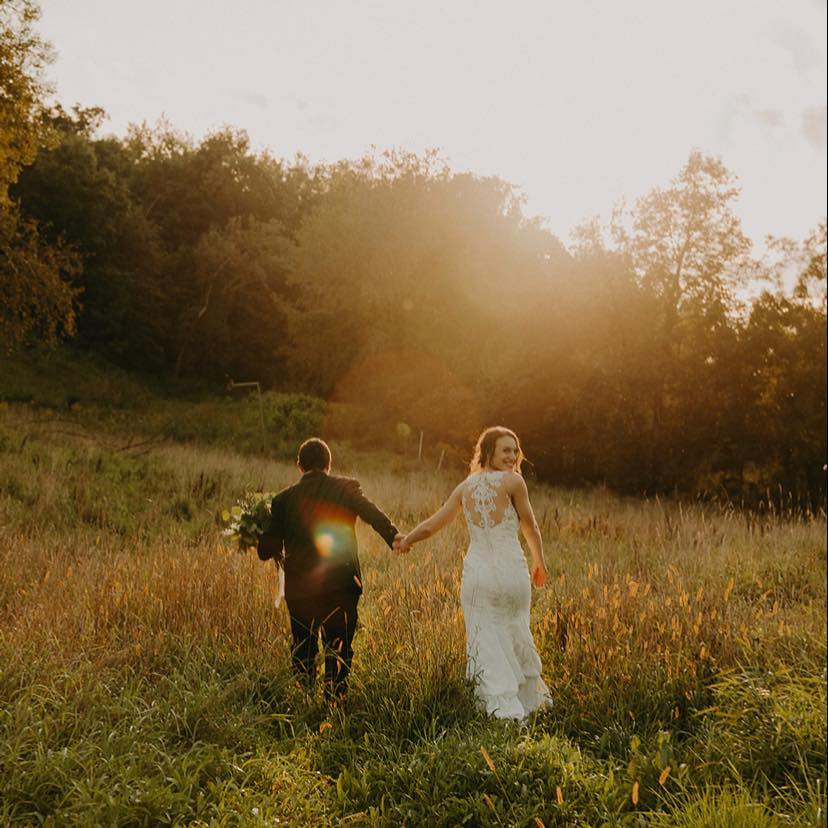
[271, 543]
[371, 513]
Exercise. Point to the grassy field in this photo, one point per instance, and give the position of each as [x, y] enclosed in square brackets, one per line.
[144, 672]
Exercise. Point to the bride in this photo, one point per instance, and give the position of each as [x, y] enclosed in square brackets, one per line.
[495, 592]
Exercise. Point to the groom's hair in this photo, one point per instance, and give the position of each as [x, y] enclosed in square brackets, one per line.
[314, 454]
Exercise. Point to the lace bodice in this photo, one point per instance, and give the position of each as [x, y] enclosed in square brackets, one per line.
[487, 506]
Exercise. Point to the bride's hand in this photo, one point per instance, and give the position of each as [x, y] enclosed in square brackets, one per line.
[539, 575]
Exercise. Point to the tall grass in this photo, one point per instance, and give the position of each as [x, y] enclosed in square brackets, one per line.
[144, 671]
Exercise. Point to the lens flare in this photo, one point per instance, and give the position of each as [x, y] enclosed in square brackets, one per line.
[324, 544]
[330, 539]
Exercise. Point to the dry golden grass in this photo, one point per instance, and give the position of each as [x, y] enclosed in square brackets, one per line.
[635, 585]
[650, 607]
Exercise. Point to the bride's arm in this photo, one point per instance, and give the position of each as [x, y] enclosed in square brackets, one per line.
[430, 526]
[516, 487]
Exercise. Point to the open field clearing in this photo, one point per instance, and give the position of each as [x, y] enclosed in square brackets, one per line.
[144, 672]
[229, 228]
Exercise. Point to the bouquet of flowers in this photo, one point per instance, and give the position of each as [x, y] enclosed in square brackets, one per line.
[245, 522]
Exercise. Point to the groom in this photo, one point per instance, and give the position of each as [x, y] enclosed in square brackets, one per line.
[312, 536]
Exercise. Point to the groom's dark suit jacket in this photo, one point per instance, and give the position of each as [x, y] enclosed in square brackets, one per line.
[312, 534]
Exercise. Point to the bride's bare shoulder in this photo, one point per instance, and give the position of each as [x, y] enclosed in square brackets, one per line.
[460, 488]
[513, 481]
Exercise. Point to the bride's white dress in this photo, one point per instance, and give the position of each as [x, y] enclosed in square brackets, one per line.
[496, 596]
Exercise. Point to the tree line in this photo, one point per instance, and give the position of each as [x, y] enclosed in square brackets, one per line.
[407, 292]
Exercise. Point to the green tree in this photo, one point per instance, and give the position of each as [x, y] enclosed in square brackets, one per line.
[230, 320]
[784, 352]
[37, 299]
[412, 284]
[23, 57]
[688, 249]
[803, 261]
[188, 188]
[224, 217]
[573, 387]
[399, 253]
[78, 192]
[785, 434]
[149, 215]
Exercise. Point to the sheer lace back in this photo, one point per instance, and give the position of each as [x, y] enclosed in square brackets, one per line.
[486, 503]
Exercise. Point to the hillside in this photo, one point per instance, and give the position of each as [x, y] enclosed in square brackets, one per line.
[144, 672]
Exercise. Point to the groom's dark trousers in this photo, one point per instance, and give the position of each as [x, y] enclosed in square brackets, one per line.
[312, 535]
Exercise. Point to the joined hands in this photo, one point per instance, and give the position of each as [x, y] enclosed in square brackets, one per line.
[400, 546]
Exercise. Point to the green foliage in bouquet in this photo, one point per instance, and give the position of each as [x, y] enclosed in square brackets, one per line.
[247, 520]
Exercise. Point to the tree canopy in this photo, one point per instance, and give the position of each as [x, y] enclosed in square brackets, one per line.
[404, 292]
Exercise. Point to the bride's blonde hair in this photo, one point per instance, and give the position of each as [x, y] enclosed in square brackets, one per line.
[486, 444]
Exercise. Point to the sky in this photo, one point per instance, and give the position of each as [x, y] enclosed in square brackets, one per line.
[579, 104]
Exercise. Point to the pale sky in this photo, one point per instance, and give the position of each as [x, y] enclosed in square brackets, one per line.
[578, 103]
